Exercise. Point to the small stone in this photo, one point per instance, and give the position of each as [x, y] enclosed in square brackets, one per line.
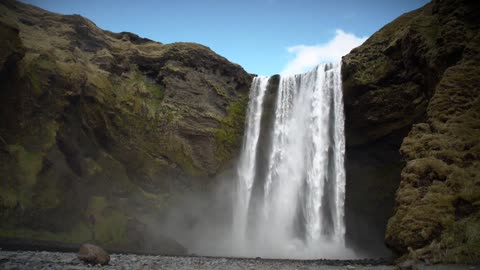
[350, 267]
[92, 254]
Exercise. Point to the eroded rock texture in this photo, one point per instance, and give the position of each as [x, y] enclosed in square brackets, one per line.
[420, 70]
[99, 130]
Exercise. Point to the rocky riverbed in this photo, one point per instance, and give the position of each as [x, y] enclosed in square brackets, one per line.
[23, 260]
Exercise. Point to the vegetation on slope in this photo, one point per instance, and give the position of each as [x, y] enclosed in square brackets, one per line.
[100, 130]
[422, 69]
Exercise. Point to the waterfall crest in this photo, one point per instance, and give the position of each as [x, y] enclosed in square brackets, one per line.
[290, 188]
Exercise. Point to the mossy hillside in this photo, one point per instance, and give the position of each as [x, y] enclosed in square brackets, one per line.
[19, 188]
[419, 70]
[103, 224]
[381, 102]
[173, 118]
[143, 116]
[29, 164]
[11, 46]
[460, 243]
[77, 236]
[31, 144]
[439, 193]
[230, 134]
[90, 114]
[35, 70]
[218, 89]
[107, 224]
[390, 78]
[45, 204]
[424, 222]
[138, 85]
[111, 213]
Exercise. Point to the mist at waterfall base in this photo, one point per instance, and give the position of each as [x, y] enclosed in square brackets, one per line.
[285, 197]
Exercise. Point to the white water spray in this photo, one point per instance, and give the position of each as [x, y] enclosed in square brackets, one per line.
[291, 177]
[246, 165]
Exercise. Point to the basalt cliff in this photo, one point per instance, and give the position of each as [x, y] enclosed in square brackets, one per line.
[100, 132]
[412, 105]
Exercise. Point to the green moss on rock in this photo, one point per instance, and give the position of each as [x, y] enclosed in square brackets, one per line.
[36, 69]
[29, 165]
[181, 154]
[8, 198]
[230, 133]
[418, 74]
[104, 125]
[439, 197]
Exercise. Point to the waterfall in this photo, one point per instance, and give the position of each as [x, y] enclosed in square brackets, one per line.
[246, 164]
[291, 178]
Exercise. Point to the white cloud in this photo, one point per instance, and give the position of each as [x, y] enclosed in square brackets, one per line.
[306, 57]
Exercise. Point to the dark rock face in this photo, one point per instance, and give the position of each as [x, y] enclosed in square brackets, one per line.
[104, 129]
[92, 254]
[420, 70]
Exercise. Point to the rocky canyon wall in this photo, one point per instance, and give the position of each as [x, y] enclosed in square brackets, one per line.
[412, 121]
[100, 131]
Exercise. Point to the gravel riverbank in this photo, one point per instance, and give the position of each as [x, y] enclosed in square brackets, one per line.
[27, 260]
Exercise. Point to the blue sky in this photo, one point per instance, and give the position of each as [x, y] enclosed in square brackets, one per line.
[264, 36]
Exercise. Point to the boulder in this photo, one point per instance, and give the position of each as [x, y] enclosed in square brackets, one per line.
[93, 254]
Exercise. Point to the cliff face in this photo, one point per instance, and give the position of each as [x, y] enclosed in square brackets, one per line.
[421, 70]
[98, 130]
